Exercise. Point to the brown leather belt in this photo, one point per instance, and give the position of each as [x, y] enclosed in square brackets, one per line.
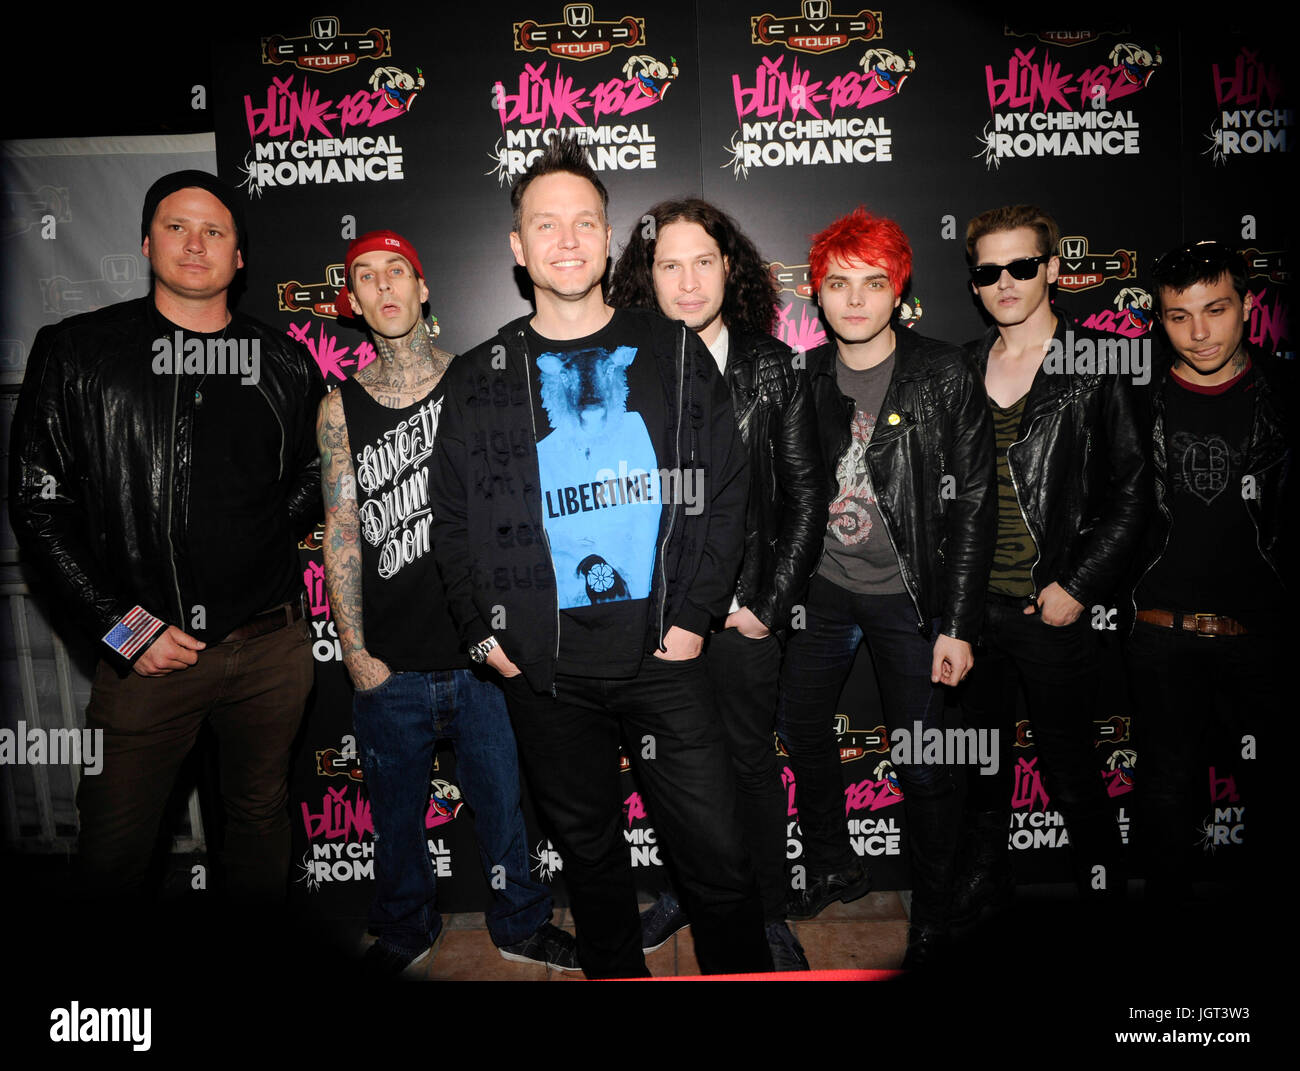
[1208, 625]
[269, 621]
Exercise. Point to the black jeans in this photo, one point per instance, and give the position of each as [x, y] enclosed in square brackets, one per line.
[673, 738]
[1194, 695]
[1058, 669]
[817, 662]
[745, 674]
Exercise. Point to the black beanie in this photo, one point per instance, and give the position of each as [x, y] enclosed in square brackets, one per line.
[180, 180]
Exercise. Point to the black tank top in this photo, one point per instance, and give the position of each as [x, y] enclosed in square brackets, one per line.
[404, 611]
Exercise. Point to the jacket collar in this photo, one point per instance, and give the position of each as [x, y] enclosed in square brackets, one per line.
[1046, 392]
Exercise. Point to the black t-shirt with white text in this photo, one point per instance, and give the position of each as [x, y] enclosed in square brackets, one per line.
[404, 616]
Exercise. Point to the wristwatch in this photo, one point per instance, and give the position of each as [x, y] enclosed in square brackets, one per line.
[479, 651]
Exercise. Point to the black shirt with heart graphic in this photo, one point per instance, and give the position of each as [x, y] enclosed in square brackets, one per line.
[1212, 562]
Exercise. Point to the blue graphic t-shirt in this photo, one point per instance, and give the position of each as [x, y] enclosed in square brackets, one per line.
[599, 398]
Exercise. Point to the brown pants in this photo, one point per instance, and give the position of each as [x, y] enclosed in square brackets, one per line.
[253, 692]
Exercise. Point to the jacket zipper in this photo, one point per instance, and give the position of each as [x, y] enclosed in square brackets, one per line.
[171, 483]
[546, 537]
[902, 565]
[672, 513]
[921, 625]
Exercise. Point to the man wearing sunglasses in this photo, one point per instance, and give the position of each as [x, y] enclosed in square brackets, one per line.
[1206, 648]
[1070, 503]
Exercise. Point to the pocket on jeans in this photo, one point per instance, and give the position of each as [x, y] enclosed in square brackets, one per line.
[378, 687]
[679, 662]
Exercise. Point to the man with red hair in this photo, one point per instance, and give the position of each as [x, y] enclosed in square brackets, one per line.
[908, 446]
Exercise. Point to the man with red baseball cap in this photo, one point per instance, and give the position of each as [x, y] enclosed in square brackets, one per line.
[414, 681]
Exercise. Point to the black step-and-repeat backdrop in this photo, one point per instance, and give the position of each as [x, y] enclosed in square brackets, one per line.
[1137, 136]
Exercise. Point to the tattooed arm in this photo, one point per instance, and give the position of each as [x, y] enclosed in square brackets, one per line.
[342, 542]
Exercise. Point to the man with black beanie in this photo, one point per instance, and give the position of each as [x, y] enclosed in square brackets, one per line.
[163, 469]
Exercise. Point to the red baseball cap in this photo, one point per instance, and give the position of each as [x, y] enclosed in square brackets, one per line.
[373, 242]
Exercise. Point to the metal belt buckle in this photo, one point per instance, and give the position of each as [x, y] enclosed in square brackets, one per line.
[1206, 617]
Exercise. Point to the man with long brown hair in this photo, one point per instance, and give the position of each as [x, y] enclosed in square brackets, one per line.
[691, 262]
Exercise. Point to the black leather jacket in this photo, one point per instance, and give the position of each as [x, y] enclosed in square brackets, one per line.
[1269, 456]
[1080, 473]
[786, 520]
[932, 471]
[100, 459]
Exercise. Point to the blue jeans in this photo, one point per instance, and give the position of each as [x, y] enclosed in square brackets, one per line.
[398, 724]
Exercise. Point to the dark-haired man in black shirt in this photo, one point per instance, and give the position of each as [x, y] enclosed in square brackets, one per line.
[1212, 595]
[162, 474]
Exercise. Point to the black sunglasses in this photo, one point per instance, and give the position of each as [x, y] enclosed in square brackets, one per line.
[1022, 269]
[1196, 255]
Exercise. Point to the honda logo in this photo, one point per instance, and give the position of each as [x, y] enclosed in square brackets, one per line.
[577, 15]
[1073, 248]
[816, 9]
[118, 269]
[325, 28]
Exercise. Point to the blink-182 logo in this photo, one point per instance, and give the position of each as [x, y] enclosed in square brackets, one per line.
[786, 117]
[816, 29]
[1251, 114]
[325, 48]
[797, 322]
[1049, 110]
[581, 36]
[319, 299]
[544, 101]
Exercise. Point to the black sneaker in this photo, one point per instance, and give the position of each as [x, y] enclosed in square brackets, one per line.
[548, 944]
[825, 889]
[382, 960]
[660, 921]
[787, 952]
